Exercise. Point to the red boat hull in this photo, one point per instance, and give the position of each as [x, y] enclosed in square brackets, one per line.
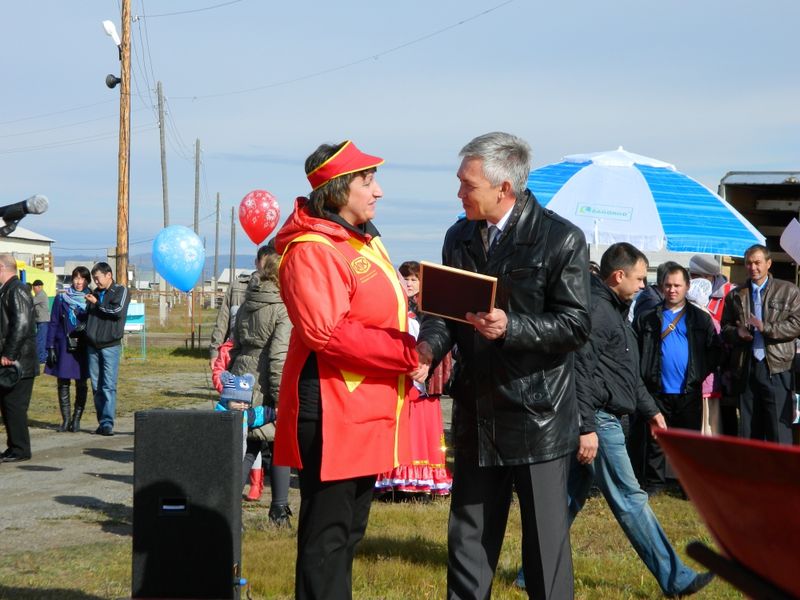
[748, 494]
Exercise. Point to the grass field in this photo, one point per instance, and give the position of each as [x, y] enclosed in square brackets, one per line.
[403, 555]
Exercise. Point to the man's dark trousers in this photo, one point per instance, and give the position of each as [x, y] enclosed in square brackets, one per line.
[14, 403]
[479, 506]
[766, 405]
[684, 411]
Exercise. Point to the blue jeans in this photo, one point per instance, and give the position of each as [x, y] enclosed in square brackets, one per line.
[613, 474]
[41, 341]
[103, 369]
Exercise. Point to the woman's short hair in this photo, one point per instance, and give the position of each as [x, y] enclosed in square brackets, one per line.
[332, 195]
[81, 272]
[410, 267]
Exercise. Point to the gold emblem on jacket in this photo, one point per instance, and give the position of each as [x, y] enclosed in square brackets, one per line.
[360, 265]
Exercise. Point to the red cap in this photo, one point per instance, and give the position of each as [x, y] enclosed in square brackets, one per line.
[348, 159]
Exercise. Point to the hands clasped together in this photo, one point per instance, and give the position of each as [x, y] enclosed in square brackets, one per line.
[491, 325]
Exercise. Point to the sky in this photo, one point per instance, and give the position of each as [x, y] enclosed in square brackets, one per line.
[709, 86]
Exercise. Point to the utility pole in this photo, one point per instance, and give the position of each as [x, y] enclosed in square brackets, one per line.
[162, 283]
[233, 249]
[196, 225]
[197, 186]
[124, 145]
[162, 127]
[216, 252]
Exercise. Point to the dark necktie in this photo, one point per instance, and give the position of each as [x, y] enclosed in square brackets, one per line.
[494, 235]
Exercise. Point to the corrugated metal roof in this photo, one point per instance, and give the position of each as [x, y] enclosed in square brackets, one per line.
[761, 178]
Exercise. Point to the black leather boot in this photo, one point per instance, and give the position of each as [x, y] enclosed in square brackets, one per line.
[279, 515]
[81, 391]
[63, 402]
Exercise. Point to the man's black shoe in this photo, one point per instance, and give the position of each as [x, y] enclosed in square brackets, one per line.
[106, 430]
[700, 581]
[10, 458]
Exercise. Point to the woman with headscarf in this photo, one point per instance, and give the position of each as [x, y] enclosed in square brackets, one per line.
[66, 354]
[343, 415]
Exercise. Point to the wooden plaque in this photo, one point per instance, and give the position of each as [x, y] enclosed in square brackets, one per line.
[452, 293]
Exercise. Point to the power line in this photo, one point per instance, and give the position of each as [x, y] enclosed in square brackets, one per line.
[353, 63]
[174, 135]
[68, 125]
[186, 12]
[147, 46]
[74, 141]
[57, 112]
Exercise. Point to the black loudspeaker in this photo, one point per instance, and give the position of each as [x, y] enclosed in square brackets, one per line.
[187, 504]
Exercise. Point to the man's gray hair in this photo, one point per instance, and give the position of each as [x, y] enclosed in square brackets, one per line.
[505, 158]
[8, 261]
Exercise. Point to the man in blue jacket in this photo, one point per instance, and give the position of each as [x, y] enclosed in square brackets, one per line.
[106, 310]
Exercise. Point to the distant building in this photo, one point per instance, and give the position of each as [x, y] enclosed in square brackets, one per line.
[30, 247]
[224, 279]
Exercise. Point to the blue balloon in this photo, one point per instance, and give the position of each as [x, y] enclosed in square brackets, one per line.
[179, 256]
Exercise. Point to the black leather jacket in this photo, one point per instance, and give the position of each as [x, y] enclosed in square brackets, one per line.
[705, 348]
[17, 326]
[514, 398]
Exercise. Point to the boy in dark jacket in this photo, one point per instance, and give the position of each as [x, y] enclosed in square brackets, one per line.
[106, 309]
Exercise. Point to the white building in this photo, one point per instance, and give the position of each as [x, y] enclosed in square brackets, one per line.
[29, 246]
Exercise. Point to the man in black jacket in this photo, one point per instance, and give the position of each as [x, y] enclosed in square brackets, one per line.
[679, 347]
[106, 309]
[514, 411]
[610, 389]
[17, 358]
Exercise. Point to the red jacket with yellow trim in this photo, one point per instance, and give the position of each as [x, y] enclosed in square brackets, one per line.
[346, 304]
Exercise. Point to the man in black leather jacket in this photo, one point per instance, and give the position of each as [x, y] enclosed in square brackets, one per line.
[17, 352]
[515, 420]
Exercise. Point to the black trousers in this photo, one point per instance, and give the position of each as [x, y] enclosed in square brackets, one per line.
[333, 518]
[479, 505]
[684, 411]
[766, 405]
[14, 405]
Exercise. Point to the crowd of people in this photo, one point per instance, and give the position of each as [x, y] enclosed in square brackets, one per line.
[78, 338]
[561, 386]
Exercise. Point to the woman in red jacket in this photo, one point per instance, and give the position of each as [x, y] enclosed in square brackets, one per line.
[344, 414]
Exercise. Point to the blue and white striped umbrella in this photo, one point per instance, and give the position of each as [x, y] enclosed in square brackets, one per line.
[618, 196]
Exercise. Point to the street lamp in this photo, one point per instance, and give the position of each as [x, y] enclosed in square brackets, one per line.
[124, 81]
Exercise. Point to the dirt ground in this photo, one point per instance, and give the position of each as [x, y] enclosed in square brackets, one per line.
[78, 487]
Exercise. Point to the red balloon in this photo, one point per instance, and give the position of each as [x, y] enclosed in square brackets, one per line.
[259, 214]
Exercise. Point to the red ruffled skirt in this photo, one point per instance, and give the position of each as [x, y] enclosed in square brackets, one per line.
[427, 473]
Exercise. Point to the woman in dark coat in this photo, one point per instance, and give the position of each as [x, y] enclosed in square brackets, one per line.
[64, 360]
